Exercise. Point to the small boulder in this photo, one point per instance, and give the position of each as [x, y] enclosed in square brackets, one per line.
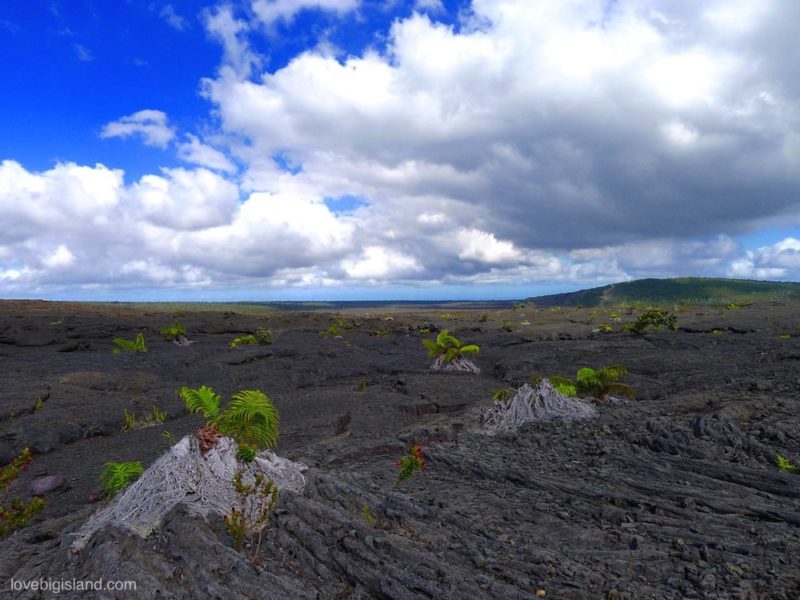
[47, 483]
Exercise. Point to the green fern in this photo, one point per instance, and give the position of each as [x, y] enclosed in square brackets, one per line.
[251, 418]
[784, 464]
[173, 332]
[599, 383]
[201, 400]
[136, 345]
[115, 477]
[448, 346]
[564, 386]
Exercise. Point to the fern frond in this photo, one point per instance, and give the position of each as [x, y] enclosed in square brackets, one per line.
[614, 372]
[563, 385]
[469, 349]
[124, 344]
[251, 418]
[203, 400]
[433, 348]
[621, 389]
[450, 355]
[586, 373]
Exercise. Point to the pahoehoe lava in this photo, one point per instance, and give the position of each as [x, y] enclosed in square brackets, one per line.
[674, 494]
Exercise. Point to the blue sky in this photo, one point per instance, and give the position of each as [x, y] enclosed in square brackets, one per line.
[290, 149]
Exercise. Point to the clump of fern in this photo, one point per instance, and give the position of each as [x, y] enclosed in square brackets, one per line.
[598, 383]
[136, 345]
[173, 332]
[448, 347]
[115, 477]
[249, 418]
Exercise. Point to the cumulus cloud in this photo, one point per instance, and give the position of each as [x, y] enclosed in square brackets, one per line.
[560, 121]
[239, 59]
[149, 125]
[580, 141]
[196, 152]
[777, 261]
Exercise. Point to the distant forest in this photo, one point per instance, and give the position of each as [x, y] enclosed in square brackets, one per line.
[683, 290]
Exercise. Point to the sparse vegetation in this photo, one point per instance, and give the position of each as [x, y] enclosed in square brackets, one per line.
[339, 327]
[262, 336]
[784, 464]
[410, 464]
[249, 519]
[115, 477]
[14, 513]
[154, 417]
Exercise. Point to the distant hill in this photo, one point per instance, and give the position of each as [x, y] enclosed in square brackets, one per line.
[683, 290]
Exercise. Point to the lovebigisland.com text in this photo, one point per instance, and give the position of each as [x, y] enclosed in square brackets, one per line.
[56, 586]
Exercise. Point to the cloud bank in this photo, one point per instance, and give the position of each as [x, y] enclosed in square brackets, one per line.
[576, 141]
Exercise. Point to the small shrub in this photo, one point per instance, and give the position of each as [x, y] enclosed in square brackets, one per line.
[136, 345]
[264, 336]
[483, 318]
[14, 513]
[410, 464]
[605, 328]
[249, 519]
[115, 477]
[339, 326]
[654, 319]
[173, 332]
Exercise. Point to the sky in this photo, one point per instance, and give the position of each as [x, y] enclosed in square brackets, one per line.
[394, 149]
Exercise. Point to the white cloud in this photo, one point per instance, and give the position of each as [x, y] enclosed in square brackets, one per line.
[182, 199]
[270, 11]
[172, 18]
[196, 152]
[60, 258]
[780, 260]
[150, 125]
[380, 263]
[485, 247]
[576, 141]
[239, 59]
[434, 6]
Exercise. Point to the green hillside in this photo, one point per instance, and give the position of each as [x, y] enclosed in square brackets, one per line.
[683, 290]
